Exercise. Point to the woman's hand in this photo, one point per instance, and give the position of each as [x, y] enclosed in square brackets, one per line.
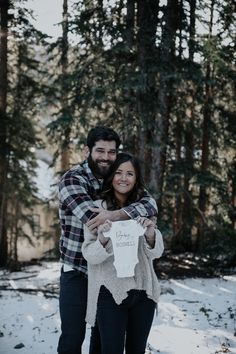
[104, 228]
[150, 229]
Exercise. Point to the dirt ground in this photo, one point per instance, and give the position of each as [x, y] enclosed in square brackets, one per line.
[189, 265]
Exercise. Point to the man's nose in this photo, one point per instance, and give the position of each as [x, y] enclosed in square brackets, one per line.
[105, 155]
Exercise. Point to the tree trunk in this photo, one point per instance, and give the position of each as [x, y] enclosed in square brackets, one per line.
[189, 136]
[129, 124]
[192, 30]
[4, 6]
[187, 214]
[130, 20]
[178, 134]
[147, 18]
[161, 127]
[207, 112]
[177, 210]
[65, 147]
[233, 194]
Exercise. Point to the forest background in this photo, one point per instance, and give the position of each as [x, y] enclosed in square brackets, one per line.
[162, 74]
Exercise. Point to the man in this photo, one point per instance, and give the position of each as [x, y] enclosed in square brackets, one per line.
[78, 189]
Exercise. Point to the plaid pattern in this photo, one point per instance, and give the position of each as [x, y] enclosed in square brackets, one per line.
[77, 193]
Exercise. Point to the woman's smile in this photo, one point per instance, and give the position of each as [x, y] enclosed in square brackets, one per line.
[124, 179]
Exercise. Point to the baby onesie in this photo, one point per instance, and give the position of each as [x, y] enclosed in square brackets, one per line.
[125, 238]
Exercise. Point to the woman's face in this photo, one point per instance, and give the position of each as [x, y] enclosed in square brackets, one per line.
[124, 179]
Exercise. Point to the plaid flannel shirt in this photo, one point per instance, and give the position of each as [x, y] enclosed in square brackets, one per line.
[77, 194]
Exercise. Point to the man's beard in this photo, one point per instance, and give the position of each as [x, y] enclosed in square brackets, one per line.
[99, 171]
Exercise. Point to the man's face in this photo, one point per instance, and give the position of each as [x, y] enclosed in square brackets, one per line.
[101, 157]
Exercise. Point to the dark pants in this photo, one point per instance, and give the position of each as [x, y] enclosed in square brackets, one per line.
[73, 303]
[127, 324]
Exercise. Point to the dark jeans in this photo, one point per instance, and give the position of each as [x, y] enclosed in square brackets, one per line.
[73, 303]
[126, 324]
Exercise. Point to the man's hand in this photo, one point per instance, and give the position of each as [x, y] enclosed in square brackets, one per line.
[100, 219]
[104, 215]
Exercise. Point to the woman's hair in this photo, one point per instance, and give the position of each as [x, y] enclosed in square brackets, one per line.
[137, 192]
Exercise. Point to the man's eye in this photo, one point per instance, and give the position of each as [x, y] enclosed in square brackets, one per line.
[112, 152]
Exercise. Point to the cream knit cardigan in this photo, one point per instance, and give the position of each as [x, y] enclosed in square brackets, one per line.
[101, 271]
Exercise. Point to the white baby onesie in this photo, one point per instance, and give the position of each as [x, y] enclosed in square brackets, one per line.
[125, 239]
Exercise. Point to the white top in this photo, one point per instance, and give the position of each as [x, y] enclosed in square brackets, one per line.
[101, 270]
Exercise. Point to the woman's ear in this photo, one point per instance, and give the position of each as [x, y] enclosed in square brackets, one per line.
[86, 152]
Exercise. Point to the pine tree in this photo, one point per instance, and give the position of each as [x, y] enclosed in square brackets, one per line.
[22, 97]
[4, 153]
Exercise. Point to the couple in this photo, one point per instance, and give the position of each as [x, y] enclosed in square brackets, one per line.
[123, 307]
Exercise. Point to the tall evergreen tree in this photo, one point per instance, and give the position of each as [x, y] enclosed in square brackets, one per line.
[166, 75]
[4, 153]
[21, 105]
[66, 151]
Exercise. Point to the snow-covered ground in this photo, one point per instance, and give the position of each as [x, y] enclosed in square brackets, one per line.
[195, 315]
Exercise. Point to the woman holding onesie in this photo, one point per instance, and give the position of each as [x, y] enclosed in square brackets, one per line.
[123, 289]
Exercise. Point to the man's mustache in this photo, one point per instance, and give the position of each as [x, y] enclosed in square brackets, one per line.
[105, 161]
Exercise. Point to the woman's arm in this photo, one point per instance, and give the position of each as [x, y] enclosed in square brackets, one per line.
[158, 248]
[153, 243]
[93, 250]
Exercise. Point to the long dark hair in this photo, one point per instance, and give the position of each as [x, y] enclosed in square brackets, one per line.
[137, 192]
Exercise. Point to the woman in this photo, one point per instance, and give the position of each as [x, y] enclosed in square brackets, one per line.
[123, 306]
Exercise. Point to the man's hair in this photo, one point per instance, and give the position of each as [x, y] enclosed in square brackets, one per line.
[102, 133]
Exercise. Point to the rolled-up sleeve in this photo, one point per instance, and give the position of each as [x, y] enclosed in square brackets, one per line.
[146, 206]
[157, 250]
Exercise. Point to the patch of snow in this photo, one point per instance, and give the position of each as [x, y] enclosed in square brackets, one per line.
[197, 317]
[44, 156]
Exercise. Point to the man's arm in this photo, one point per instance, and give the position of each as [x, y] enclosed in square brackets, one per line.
[73, 195]
[104, 215]
[145, 207]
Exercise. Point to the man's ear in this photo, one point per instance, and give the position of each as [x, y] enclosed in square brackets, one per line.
[86, 152]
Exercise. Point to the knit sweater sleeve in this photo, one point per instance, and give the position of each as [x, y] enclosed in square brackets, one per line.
[158, 249]
[92, 249]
